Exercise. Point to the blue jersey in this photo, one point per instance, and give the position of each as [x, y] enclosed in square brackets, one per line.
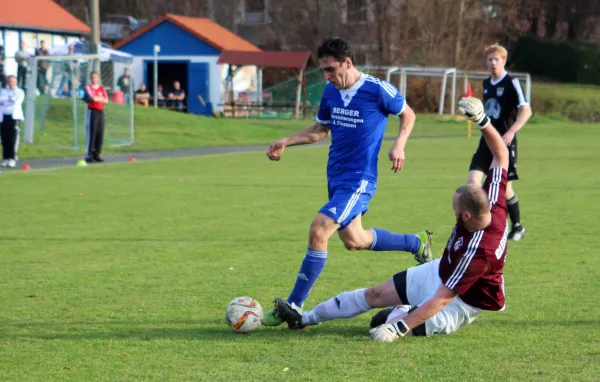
[357, 118]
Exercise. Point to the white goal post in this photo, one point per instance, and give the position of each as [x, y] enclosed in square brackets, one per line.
[55, 113]
[444, 73]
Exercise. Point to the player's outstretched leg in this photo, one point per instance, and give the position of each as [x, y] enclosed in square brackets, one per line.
[289, 313]
[321, 230]
[344, 305]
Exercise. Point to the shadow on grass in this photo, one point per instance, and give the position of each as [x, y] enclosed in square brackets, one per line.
[214, 330]
[209, 330]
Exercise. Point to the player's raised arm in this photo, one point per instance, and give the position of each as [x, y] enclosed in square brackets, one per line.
[472, 109]
[309, 135]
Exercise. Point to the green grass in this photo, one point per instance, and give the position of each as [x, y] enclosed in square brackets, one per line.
[122, 272]
[154, 130]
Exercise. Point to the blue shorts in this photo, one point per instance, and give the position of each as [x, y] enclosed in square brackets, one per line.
[348, 200]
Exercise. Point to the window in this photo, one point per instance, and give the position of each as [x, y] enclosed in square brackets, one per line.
[58, 40]
[30, 40]
[11, 46]
[255, 5]
[255, 11]
[11, 43]
[47, 38]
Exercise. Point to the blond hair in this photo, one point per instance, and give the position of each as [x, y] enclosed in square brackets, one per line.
[496, 48]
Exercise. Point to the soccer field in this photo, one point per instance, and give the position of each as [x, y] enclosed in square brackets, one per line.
[123, 271]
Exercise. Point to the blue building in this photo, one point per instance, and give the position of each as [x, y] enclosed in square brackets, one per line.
[189, 52]
[33, 21]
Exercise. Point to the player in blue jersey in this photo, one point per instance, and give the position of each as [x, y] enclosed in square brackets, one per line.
[354, 110]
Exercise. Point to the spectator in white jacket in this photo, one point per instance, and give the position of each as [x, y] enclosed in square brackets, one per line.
[11, 107]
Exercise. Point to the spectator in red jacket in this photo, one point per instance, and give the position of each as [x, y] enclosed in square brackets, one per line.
[96, 97]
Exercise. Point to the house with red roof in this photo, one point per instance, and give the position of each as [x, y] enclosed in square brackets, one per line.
[188, 52]
[32, 21]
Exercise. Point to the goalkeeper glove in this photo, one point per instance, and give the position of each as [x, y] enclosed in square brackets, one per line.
[472, 109]
[389, 332]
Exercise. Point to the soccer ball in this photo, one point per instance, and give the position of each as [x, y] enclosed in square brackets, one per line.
[244, 314]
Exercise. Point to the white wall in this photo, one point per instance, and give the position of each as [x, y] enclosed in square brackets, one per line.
[243, 81]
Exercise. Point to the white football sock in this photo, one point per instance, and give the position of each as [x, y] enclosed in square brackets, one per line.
[344, 305]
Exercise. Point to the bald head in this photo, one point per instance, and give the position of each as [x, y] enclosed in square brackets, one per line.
[473, 199]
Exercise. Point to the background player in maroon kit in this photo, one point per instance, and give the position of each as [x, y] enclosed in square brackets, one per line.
[96, 97]
[441, 296]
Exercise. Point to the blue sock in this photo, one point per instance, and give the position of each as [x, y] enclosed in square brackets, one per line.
[311, 268]
[389, 241]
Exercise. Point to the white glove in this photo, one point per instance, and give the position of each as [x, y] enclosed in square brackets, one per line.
[472, 109]
[384, 333]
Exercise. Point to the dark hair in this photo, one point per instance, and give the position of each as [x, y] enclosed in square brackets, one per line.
[337, 48]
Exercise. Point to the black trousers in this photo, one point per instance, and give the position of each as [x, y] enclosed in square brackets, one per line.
[22, 77]
[9, 132]
[94, 133]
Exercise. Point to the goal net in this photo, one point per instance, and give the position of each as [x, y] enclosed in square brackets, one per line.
[55, 107]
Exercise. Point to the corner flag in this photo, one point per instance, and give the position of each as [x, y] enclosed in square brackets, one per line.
[469, 93]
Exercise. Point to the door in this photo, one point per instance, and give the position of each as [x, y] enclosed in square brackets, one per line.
[199, 89]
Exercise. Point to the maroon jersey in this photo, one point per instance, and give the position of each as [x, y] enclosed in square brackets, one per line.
[473, 261]
[95, 91]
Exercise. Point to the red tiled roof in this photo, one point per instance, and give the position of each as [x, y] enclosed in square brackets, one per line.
[267, 59]
[203, 28]
[43, 15]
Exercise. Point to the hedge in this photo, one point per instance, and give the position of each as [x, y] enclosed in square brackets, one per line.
[560, 60]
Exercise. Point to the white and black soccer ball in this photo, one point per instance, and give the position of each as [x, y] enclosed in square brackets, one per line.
[244, 314]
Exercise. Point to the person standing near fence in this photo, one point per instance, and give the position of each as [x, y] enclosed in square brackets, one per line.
[11, 104]
[125, 83]
[42, 73]
[22, 58]
[68, 72]
[96, 97]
